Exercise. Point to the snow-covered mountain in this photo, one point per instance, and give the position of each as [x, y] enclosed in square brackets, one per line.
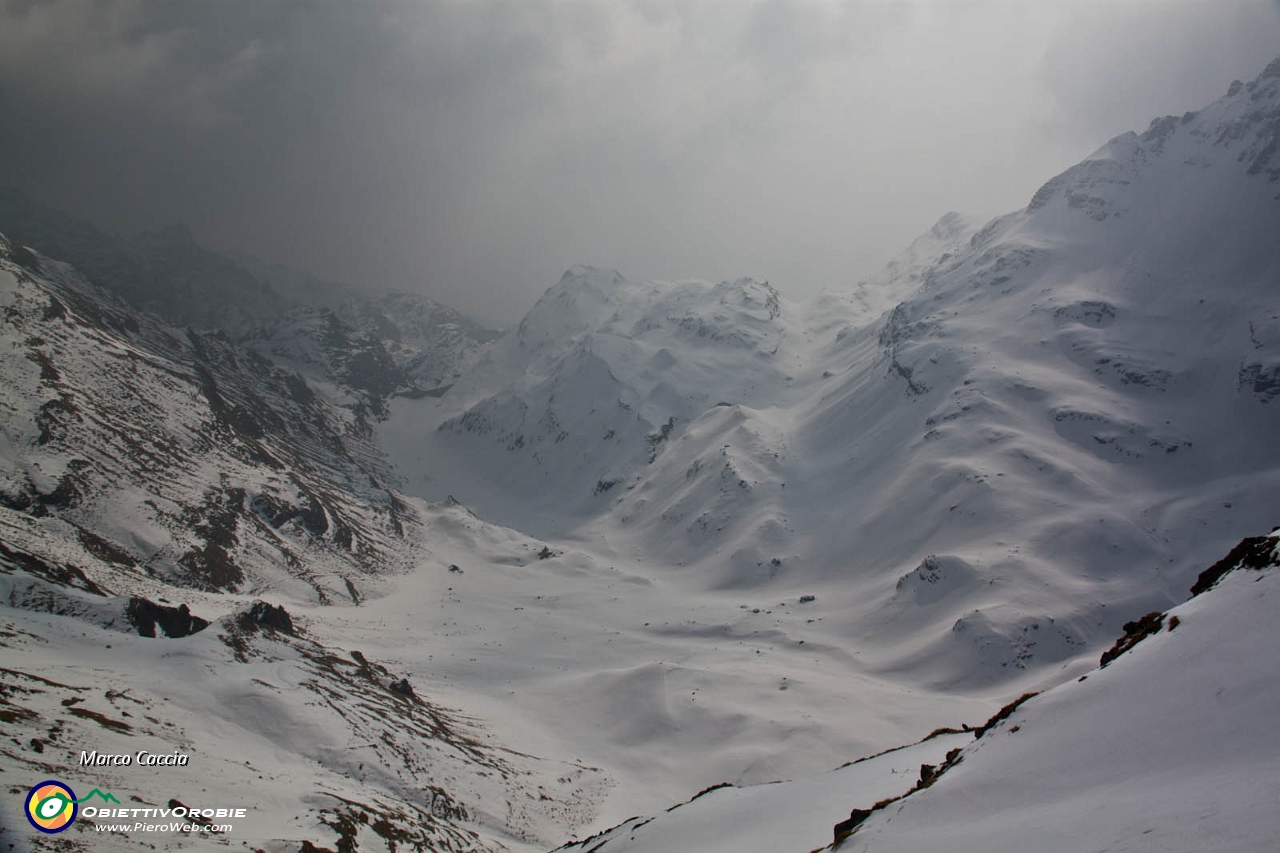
[962, 477]
[177, 456]
[369, 349]
[432, 343]
[601, 373]
[427, 346]
[163, 271]
[672, 534]
[356, 345]
[157, 485]
[988, 454]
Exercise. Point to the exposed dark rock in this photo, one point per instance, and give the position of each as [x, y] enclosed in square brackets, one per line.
[61, 574]
[212, 567]
[145, 615]
[1003, 714]
[845, 828]
[1256, 552]
[108, 552]
[657, 439]
[270, 616]
[1134, 633]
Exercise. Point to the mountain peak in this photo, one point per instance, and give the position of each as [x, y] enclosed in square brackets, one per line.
[950, 225]
[598, 276]
[1231, 131]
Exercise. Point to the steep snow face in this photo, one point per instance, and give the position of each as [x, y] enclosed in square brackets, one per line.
[597, 379]
[1084, 388]
[153, 484]
[837, 310]
[150, 452]
[787, 815]
[1015, 416]
[1171, 747]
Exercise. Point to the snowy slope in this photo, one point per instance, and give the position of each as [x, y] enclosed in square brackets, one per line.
[306, 734]
[952, 485]
[349, 366]
[358, 344]
[701, 533]
[1073, 413]
[157, 484]
[1171, 747]
[432, 343]
[795, 814]
[986, 454]
[155, 453]
[586, 392]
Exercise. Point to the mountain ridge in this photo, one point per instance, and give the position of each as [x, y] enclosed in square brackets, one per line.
[680, 531]
[991, 396]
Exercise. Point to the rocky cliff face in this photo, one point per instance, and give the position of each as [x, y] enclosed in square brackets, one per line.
[177, 455]
[155, 482]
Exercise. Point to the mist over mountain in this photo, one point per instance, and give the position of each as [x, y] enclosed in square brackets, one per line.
[416, 584]
[365, 346]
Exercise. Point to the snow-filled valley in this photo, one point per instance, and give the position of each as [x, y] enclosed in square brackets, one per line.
[402, 583]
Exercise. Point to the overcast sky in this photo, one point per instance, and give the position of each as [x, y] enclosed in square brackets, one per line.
[474, 150]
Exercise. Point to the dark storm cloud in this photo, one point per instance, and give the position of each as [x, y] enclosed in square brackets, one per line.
[473, 150]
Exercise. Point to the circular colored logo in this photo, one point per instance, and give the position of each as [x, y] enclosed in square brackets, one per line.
[51, 806]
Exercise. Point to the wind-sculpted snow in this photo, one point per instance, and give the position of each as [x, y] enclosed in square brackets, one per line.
[1072, 390]
[692, 533]
[1084, 387]
[1169, 747]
